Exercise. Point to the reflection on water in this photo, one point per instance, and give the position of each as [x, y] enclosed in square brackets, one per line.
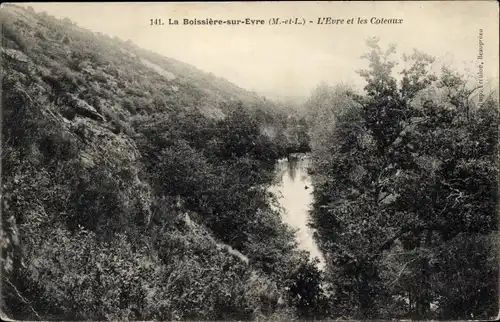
[294, 189]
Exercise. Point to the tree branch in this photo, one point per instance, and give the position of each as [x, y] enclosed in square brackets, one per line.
[402, 270]
[23, 298]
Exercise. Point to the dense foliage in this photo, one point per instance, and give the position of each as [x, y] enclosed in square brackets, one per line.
[134, 187]
[406, 185]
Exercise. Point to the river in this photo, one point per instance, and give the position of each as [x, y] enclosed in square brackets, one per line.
[294, 190]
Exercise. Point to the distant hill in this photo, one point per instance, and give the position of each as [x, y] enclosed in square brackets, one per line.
[112, 81]
[117, 75]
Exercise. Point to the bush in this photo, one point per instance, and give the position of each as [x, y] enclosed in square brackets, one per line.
[58, 146]
[40, 34]
[14, 35]
[100, 77]
[129, 105]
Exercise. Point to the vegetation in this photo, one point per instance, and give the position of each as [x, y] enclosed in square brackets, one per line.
[406, 191]
[135, 187]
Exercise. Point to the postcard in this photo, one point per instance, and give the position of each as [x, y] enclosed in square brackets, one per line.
[269, 160]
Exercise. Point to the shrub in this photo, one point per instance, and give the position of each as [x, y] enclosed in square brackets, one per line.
[40, 34]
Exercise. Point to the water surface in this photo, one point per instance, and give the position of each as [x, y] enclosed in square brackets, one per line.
[294, 190]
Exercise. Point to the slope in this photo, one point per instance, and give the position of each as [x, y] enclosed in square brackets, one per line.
[105, 149]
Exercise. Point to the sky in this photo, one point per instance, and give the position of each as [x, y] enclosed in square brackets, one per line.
[291, 60]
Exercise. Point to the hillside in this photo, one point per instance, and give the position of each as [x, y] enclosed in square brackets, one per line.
[115, 80]
[143, 77]
[134, 186]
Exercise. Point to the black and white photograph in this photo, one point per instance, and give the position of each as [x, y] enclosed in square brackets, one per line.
[249, 161]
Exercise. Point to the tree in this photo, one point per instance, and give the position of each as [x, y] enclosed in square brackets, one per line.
[407, 175]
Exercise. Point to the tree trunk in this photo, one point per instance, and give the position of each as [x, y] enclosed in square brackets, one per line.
[410, 302]
[424, 288]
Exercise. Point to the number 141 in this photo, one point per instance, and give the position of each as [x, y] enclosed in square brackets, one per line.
[156, 22]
